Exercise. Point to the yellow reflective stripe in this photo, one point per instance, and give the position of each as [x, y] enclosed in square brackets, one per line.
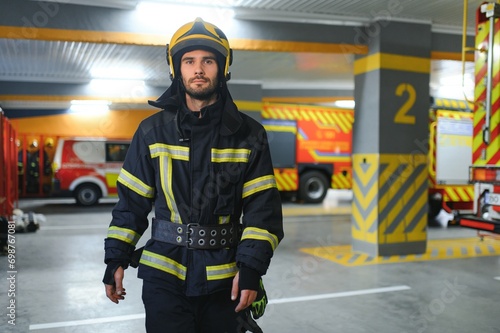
[224, 219]
[127, 235]
[166, 184]
[219, 272]
[175, 152]
[260, 234]
[258, 184]
[135, 184]
[163, 263]
[230, 155]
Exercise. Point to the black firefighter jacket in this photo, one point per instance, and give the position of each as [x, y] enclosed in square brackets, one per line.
[210, 170]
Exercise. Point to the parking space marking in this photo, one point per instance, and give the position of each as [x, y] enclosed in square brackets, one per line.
[339, 294]
[85, 322]
[441, 249]
[73, 227]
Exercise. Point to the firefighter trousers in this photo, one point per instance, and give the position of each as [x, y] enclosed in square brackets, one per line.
[170, 311]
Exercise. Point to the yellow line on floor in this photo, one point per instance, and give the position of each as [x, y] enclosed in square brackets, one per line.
[441, 249]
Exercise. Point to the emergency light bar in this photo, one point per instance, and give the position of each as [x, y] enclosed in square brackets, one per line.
[487, 174]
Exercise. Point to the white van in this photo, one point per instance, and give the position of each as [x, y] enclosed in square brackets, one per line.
[87, 168]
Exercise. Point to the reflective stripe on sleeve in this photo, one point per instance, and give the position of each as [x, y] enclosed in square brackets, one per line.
[230, 155]
[260, 234]
[258, 184]
[135, 184]
[129, 236]
[163, 263]
[220, 272]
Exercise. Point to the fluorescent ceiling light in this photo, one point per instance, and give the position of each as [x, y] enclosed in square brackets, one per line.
[152, 12]
[117, 73]
[89, 107]
[345, 104]
[120, 4]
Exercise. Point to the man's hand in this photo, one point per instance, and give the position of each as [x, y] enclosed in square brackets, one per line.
[116, 292]
[247, 296]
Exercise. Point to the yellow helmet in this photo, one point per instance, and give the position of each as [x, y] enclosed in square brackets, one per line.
[199, 35]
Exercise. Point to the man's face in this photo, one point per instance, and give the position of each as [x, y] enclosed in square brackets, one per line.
[199, 74]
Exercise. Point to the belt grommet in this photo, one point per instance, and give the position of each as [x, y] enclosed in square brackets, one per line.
[178, 239]
[201, 242]
[179, 230]
[231, 230]
[201, 232]
[213, 233]
[222, 242]
[213, 242]
[223, 232]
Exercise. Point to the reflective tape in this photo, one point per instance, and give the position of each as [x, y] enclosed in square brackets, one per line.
[258, 184]
[230, 155]
[166, 185]
[163, 263]
[175, 152]
[166, 153]
[135, 184]
[224, 219]
[260, 234]
[220, 272]
[129, 236]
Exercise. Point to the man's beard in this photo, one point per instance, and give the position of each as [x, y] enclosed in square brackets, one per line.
[202, 94]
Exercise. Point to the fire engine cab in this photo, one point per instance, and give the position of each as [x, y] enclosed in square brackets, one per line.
[311, 148]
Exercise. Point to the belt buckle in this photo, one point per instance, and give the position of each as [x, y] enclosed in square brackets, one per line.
[189, 232]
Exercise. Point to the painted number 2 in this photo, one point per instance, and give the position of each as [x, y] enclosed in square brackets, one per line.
[402, 116]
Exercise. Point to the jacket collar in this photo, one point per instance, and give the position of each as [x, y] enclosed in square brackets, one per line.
[172, 101]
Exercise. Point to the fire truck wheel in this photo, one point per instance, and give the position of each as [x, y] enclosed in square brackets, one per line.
[313, 187]
[87, 194]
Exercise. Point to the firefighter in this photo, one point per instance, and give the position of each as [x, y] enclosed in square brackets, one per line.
[206, 169]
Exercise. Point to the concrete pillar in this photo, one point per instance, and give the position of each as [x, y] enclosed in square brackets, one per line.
[391, 126]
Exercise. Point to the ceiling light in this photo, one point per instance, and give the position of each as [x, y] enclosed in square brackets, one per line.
[89, 107]
[344, 104]
[149, 13]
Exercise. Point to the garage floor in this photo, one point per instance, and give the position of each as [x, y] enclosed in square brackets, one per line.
[315, 283]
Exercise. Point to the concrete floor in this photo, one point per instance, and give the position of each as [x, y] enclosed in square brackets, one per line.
[59, 269]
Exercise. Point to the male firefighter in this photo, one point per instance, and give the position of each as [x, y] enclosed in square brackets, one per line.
[206, 169]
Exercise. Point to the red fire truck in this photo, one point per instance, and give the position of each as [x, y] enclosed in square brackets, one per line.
[450, 155]
[311, 148]
[484, 172]
[8, 180]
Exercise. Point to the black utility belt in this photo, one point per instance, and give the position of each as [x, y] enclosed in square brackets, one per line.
[195, 236]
